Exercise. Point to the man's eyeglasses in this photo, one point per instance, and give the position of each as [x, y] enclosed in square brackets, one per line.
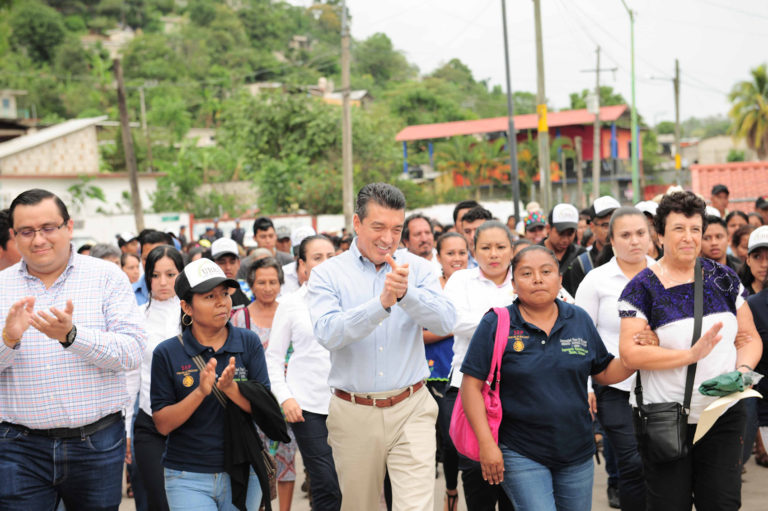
[46, 230]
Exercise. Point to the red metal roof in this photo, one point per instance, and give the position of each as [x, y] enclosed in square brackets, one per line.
[522, 122]
[746, 180]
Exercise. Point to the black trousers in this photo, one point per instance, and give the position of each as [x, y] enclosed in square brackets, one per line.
[709, 477]
[615, 415]
[148, 448]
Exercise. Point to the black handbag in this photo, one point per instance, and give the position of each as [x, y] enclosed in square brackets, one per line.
[662, 428]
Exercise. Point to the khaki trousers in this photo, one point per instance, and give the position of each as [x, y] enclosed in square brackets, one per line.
[365, 440]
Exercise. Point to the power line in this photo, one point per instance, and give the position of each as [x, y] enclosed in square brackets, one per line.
[734, 9]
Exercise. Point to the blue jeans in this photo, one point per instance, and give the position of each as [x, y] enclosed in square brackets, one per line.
[194, 491]
[533, 487]
[312, 440]
[85, 473]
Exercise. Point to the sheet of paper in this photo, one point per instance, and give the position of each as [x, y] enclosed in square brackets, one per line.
[716, 408]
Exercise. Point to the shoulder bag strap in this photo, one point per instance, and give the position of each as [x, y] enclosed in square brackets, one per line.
[698, 316]
[499, 345]
[200, 363]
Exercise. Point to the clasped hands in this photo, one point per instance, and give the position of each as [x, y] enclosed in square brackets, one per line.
[208, 379]
[22, 315]
[395, 283]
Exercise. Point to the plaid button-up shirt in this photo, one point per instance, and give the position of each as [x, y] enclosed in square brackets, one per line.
[44, 385]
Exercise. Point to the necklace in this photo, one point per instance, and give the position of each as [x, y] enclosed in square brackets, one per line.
[667, 277]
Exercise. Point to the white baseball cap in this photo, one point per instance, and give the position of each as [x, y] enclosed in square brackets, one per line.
[223, 246]
[648, 207]
[200, 277]
[758, 239]
[564, 216]
[605, 205]
[298, 234]
[712, 211]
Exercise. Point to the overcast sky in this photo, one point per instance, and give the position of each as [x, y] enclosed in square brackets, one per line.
[716, 41]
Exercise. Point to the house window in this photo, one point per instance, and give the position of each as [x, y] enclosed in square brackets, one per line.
[6, 104]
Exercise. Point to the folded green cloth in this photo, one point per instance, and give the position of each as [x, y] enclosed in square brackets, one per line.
[723, 385]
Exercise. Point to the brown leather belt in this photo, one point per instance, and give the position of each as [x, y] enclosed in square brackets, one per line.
[379, 402]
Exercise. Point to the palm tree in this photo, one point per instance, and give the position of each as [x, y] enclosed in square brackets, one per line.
[750, 111]
[458, 155]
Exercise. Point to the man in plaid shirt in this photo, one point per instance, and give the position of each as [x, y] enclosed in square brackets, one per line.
[71, 328]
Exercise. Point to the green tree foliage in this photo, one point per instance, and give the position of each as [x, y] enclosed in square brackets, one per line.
[169, 114]
[608, 97]
[750, 111]
[665, 128]
[37, 29]
[705, 127]
[735, 155]
[377, 57]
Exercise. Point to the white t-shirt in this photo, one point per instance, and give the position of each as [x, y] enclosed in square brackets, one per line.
[598, 294]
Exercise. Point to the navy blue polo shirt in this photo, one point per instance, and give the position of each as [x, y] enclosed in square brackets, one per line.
[198, 444]
[543, 383]
[758, 304]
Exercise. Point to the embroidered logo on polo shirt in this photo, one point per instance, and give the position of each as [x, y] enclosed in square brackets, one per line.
[188, 381]
[574, 346]
[186, 373]
[518, 337]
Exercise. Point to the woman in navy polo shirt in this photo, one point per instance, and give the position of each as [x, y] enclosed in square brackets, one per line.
[183, 406]
[544, 456]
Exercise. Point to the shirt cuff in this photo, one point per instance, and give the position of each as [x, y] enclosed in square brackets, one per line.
[410, 298]
[375, 311]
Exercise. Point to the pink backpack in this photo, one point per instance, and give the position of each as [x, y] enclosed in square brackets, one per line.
[461, 431]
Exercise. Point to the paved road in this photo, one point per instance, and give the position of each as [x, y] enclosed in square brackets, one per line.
[754, 491]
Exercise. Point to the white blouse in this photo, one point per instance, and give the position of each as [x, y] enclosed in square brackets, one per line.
[306, 379]
[598, 294]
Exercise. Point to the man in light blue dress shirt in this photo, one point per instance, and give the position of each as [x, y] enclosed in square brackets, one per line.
[369, 306]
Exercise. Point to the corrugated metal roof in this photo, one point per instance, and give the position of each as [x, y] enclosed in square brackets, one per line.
[494, 124]
[25, 142]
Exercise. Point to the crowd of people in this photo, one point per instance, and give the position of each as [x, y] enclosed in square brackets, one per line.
[197, 363]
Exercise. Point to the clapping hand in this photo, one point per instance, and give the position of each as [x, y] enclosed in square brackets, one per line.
[207, 377]
[19, 318]
[227, 377]
[395, 283]
[55, 325]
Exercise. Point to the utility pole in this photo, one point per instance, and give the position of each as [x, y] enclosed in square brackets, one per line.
[346, 123]
[635, 138]
[145, 128]
[597, 159]
[678, 162]
[541, 110]
[514, 176]
[579, 173]
[594, 107]
[130, 155]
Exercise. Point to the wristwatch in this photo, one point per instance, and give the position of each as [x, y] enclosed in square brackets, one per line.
[70, 337]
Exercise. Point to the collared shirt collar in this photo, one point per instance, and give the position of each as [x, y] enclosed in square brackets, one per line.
[564, 313]
[233, 344]
[507, 279]
[24, 271]
[616, 271]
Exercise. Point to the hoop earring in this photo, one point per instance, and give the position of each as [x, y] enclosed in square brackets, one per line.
[184, 317]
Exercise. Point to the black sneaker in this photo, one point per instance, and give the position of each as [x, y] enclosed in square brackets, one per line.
[613, 497]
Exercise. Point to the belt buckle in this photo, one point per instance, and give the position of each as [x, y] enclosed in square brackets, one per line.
[374, 402]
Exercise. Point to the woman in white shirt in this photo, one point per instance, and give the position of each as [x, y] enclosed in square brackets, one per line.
[302, 388]
[598, 294]
[473, 291]
[162, 313]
